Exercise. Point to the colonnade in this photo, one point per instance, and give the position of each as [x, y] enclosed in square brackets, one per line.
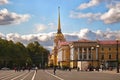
[84, 53]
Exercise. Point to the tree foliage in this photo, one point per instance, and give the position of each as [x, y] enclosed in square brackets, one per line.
[38, 54]
[16, 54]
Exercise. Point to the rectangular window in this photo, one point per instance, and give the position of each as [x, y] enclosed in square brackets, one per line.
[110, 56]
[102, 49]
[80, 56]
[102, 56]
[89, 56]
[84, 56]
[109, 49]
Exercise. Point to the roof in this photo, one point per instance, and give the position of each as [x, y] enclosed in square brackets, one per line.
[84, 40]
[109, 42]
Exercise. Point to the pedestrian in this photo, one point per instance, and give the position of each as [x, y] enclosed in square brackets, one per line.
[29, 69]
[78, 68]
[36, 68]
[54, 70]
[15, 69]
[69, 69]
[23, 68]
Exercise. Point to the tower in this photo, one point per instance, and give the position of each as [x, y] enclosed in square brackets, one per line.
[59, 25]
[57, 38]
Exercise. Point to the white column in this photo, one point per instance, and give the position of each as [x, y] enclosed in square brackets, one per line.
[78, 54]
[96, 53]
[91, 54]
[87, 53]
[72, 54]
[82, 53]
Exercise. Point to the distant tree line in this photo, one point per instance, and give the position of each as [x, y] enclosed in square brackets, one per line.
[17, 55]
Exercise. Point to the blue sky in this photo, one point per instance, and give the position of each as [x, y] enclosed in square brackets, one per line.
[20, 19]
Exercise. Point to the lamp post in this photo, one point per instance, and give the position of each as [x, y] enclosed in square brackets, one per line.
[92, 54]
[117, 58]
[97, 54]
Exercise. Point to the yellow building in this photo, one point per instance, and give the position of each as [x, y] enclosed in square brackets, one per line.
[83, 53]
[108, 52]
[50, 60]
[64, 55]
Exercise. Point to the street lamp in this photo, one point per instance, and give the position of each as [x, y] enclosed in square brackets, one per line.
[92, 54]
[117, 58]
[97, 56]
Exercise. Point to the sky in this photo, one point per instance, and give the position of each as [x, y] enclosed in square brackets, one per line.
[36, 20]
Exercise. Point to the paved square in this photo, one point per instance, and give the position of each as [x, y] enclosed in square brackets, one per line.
[60, 75]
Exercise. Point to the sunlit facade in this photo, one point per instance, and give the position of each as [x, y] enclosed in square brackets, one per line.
[108, 52]
[83, 53]
[64, 55]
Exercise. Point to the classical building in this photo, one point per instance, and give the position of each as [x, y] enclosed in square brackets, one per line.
[83, 53]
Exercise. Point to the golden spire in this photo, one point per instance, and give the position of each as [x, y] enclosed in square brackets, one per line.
[59, 25]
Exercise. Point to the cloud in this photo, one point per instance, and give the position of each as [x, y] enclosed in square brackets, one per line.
[109, 17]
[89, 16]
[43, 27]
[113, 15]
[40, 27]
[2, 36]
[7, 18]
[87, 34]
[46, 39]
[89, 4]
[71, 36]
[92, 3]
[52, 26]
[2, 2]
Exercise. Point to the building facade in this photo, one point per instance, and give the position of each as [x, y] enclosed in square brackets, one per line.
[108, 52]
[64, 55]
[83, 53]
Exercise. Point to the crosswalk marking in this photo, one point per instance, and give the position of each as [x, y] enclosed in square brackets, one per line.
[33, 76]
[26, 75]
[18, 76]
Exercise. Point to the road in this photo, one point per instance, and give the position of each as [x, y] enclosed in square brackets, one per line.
[60, 75]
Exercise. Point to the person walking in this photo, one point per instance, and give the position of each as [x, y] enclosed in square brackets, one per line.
[54, 70]
[36, 68]
[78, 68]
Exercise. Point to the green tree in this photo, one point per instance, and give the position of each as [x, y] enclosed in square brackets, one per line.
[38, 54]
[12, 54]
[16, 54]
